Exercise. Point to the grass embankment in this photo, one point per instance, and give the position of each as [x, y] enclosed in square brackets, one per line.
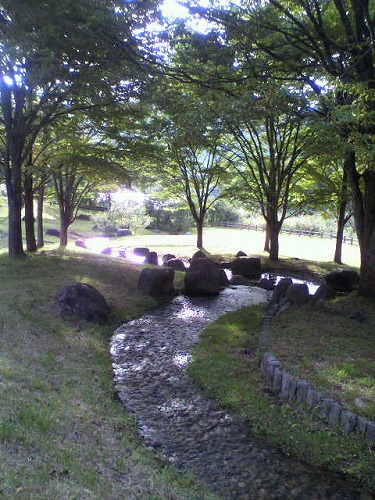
[333, 348]
[62, 435]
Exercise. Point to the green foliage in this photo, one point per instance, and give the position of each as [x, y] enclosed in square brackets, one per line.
[127, 214]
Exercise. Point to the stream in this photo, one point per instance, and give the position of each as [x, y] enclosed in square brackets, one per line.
[179, 422]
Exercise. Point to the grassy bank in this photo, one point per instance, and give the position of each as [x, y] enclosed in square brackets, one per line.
[230, 347]
[62, 434]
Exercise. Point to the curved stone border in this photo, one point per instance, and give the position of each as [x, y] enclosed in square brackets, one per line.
[294, 389]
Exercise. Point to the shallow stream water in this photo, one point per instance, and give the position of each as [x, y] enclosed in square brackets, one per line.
[190, 430]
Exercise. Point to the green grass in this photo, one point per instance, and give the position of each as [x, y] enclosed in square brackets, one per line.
[333, 348]
[230, 346]
[62, 434]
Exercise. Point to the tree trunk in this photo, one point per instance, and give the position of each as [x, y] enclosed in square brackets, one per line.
[274, 243]
[367, 272]
[15, 246]
[29, 213]
[364, 216]
[267, 239]
[64, 225]
[39, 217]
[199, 225]
[339, 239]
[341, 219]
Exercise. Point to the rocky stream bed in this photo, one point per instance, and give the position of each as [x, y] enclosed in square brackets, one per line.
[190, 430]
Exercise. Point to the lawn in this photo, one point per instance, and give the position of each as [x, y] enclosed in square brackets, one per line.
[62, 434]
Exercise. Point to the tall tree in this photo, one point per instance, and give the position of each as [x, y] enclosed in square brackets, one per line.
[269, 148]
[192, 164]
[325, 45]
[65, 56]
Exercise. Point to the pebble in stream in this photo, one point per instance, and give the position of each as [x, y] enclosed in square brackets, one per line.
[150, 359]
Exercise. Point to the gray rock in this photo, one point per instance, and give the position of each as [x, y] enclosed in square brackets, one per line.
[302, 388]
[240, 253]
[157, 282]
[280, 290]
[203, 278]
[141, 251]
[297, 294]
[168, 256]
[175, 264]
[348, 420]
[370, 433]
[80, 244]
[223, 278]
[278, 380]
[237, 279]
[267, 284]
[53, 232]
[247, 266]
[362, 425]
[334, 414]
[199, 255]
[313, 397]
[343, 280]
[152, 258]
[83, 300]
[324, 292]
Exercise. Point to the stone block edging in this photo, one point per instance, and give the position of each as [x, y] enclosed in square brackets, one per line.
[292, 388]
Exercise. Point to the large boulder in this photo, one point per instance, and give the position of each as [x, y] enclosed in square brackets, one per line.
[323, 293]
[240, 253]
[141, 251]
[168, 256]
[83, 300]
[152, 258]
[176, 264]
[343, 280]
[238, 279]
[157, 282]
[246, 266]
[224, 280]
[53, 232]
[280, 290]
[297, 294]
[199, 255]
[80, 243]
[203, 278]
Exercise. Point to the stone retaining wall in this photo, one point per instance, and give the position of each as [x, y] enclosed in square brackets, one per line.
[294, 389]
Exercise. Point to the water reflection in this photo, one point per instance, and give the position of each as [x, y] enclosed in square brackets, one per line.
[275, 278]
[182, 360]
[175, 405]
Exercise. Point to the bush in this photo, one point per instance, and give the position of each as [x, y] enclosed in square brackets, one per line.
[125, 215]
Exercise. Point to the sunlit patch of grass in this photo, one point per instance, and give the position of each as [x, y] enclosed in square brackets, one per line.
[226, 365]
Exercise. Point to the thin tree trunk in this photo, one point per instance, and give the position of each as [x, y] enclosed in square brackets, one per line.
[199, 224]
[274, 245]
[29, 213]
[341, 219]
[39, 217]
[267, 239]
[64, 225]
